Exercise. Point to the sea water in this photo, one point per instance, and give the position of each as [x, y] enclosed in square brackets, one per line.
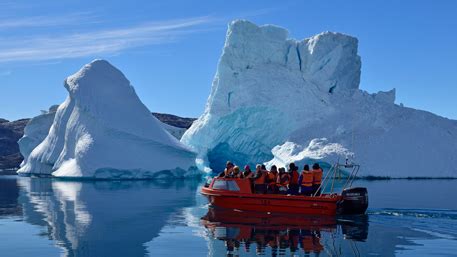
[50, 217]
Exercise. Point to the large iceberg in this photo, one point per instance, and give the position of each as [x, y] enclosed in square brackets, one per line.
[278, 100]
[103, 130]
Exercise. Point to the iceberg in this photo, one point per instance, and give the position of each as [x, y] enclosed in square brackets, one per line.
[174, 131]
[36, 131]
[38, 127]
[275, 100]
[103, 130]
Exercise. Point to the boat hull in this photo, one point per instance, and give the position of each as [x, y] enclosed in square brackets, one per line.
[324, 205]
[237, 194]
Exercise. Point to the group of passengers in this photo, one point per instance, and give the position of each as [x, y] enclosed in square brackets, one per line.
[278, 181]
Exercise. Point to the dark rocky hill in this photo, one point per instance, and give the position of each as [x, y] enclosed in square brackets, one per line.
[11, 131]
[174, 120]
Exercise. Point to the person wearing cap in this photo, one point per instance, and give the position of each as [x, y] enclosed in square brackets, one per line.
[294, 176]
[317, 178]
[282, 181]
[260, 186]
[247, 172]
[264, 168]
[306, 181]
[272, 176]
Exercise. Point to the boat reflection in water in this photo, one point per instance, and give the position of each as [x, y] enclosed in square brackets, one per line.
[254, 233]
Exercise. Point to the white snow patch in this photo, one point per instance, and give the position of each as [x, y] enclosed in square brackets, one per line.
[318, 149]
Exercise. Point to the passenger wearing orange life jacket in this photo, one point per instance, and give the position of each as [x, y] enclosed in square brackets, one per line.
[282, 181]
[294, 176]
[260, 177]
[317, 178]
[306, 181]
[271, 179]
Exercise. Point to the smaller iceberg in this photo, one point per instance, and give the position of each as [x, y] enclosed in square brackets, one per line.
[36, 131]
[103, 130]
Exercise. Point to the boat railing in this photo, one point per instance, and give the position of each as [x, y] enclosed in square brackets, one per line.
[335, 173]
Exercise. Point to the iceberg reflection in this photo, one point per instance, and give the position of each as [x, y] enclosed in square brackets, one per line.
[103, 218]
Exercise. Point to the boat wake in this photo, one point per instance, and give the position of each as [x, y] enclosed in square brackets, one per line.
[416, 213]
[421, 223]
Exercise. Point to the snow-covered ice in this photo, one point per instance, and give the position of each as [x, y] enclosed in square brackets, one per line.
[38, 128]
[318, 149]
[36, 131]
[277, 100]
[103, 130]
[174, 131]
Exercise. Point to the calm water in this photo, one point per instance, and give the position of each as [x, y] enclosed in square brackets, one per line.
[45, 217]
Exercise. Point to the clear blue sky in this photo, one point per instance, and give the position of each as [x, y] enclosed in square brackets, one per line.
[169, 49]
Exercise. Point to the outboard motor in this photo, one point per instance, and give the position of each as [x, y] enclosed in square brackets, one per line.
[355, 201]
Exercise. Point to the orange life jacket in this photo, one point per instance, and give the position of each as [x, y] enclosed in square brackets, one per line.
[294, 177]
[283, 180]
[272, 178]
[261, 179]
[317, 176]
[307, 178]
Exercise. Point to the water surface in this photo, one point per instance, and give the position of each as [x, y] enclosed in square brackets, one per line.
[48, 217]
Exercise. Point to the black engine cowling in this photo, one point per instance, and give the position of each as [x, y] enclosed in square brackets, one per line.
[355, 201]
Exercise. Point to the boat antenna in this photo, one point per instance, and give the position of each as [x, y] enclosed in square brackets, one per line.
[353, 125]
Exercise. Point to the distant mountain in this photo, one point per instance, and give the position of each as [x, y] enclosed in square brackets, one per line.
[174, 120]
[12, 131]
